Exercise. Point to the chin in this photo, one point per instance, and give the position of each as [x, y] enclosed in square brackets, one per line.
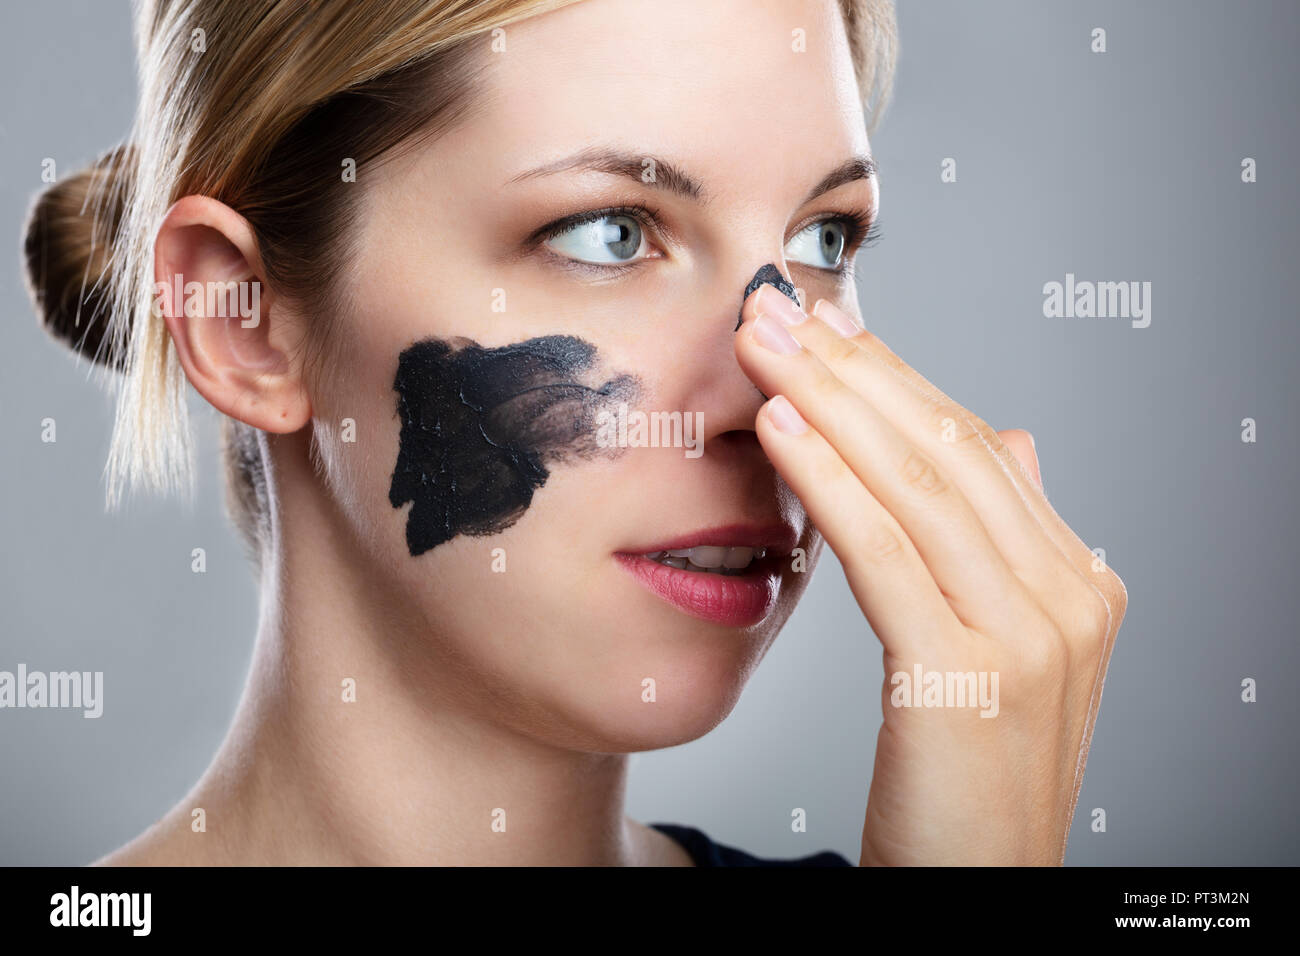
[698, 669]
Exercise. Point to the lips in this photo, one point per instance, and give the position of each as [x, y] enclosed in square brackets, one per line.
[714, 559]
[738, 598]
[780, 538]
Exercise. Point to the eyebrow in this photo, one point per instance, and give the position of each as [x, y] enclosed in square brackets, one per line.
[673, 178]
[633, 166]
[859, 167]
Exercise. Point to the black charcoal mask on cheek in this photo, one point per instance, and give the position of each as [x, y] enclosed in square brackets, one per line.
[480, 425]
[766, 275]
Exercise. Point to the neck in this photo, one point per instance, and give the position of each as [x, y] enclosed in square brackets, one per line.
[343, 751]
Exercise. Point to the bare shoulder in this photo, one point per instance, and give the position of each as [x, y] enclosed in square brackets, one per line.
[163, 844]
[655, 848]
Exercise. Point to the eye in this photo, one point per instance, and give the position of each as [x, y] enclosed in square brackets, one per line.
[604, 239]
[820, 244]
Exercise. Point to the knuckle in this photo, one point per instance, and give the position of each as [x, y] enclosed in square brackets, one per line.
[841, 351]
[827, 389]
[1089, 616]
[1048, 656]
[1045, 657]
[827, 471]
[879, 543]
[952, 423]
[920, 474]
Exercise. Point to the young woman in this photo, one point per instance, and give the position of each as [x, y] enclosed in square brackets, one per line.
[439, 263]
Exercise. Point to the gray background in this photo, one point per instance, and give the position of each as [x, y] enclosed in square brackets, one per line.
[1122, 166]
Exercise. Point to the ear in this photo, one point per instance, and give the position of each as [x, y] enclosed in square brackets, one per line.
[238, 344]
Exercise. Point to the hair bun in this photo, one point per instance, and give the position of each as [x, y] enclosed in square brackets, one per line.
[70, 233]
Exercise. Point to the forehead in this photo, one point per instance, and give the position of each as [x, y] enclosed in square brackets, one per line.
[743, 88]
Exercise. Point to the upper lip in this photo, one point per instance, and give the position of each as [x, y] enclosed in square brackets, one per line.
[777, 538]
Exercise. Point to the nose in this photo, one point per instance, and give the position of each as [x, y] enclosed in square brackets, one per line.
[767, 274]
[720, 389]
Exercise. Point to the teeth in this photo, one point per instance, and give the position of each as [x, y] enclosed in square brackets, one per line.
[712, 557]
[738, 557]
[709, 558]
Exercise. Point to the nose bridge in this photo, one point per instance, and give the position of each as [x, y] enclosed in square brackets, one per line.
[743, 248]
[740, 267]
[714, 384]
[747, 238]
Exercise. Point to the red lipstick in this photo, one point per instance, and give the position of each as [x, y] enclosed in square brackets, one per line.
[733, 600]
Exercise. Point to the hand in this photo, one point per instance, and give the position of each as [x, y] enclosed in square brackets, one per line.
[960, 565]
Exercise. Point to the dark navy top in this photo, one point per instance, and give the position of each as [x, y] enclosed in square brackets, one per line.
[707, 853]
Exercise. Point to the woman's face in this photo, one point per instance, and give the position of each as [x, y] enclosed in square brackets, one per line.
[494, 507]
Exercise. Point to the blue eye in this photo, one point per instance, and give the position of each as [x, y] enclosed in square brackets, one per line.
[609, 239]
[820, 245]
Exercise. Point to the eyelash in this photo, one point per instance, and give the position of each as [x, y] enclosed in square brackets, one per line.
[646, 217]
[862, 230]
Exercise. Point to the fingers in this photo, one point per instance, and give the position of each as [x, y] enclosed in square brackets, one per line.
[979, 462]
[953, 434]
[888, 578]
[931, 509]
[1000, 474]
[969, 450]
[1021, 444]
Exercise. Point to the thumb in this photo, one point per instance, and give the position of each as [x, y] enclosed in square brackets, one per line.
[1021, 444]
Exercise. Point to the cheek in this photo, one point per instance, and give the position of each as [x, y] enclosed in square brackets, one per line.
[355, 435]
[353, 438]
[480, 429]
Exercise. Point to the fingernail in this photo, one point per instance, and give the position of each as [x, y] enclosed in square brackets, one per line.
[836, 318]
[785, 416]
[770, 334]
[773, 303]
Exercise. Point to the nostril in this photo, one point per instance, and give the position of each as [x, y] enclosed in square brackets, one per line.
[766, 275]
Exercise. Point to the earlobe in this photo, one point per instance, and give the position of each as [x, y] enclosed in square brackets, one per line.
[237, 342]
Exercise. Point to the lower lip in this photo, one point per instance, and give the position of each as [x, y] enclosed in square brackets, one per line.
[730, 600]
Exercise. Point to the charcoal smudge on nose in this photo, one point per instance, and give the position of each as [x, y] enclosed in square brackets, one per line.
[481, 425]
[766, 275]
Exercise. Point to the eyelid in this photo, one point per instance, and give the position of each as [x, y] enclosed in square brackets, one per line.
[592, 270]
[864, 228]
[863, 223]
[646, 217]
[864, 219]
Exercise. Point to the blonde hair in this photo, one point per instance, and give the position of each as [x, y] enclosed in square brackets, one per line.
[253, 104]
